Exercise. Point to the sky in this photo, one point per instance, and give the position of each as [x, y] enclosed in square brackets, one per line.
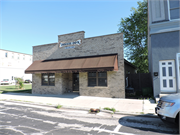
[27, 23]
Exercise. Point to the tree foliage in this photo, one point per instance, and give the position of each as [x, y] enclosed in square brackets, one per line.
[135, 30]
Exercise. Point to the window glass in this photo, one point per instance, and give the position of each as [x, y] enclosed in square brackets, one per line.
[102, 82]
[44, 79]
[174, 4]
[52, 79]
[92, 74]
[171, 83]
[75, 75]
[169, 63]
[164, 83]
[164, 71]
[92, 82]
[170, 71]
[6, 55]
[102, 74]
[163, 63]
[174, 13]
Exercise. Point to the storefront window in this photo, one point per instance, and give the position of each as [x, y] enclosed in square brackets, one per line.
[97, 79]
[48, 79]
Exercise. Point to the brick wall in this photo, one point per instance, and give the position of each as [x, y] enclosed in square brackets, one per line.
[108, 44]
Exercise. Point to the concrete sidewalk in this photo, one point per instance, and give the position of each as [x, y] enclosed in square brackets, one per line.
[125, 106]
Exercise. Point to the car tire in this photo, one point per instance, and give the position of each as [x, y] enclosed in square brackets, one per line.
[177, 119]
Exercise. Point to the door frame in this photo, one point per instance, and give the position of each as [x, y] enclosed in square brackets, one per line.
[168, 89]
[178, 70]
[73, 81]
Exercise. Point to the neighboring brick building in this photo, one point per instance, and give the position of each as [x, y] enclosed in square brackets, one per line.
[93, 66]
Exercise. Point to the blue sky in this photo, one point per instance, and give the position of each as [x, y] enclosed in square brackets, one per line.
[27, 23]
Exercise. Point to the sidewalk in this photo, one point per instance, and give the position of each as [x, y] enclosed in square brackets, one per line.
[123, 106]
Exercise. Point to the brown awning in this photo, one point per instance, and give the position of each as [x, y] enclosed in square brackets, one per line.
[82, 64]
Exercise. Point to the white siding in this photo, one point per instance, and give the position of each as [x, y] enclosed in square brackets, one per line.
[11, 66]
[157, 10]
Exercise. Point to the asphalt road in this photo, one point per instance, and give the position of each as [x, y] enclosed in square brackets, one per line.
[26, 119]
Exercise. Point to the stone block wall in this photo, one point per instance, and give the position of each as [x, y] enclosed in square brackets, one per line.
[63, 83]
[37, 88]
[114, 88]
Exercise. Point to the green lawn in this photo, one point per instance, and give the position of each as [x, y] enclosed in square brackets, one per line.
[13, 88]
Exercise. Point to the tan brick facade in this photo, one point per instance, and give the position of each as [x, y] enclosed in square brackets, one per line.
[108, 44]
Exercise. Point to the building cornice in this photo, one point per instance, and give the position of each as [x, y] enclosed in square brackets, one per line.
[169, 26]
[16, 52]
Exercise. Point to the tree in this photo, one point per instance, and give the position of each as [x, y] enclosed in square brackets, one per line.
[135, 30]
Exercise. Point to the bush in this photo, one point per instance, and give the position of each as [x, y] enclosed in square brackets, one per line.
[20, 82]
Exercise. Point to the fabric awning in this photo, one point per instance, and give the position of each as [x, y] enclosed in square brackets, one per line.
[81, 64]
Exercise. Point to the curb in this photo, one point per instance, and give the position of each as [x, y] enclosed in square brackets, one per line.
[81, 108]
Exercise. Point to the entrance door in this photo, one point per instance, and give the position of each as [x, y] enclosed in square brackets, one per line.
[76, 82]
[167, 76]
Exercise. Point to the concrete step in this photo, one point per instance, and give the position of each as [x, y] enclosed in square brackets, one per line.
[161, 95]
[157, 99]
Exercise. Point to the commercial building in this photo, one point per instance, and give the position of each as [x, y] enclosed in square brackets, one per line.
[164, 45]
[13, 64]
[92, 66]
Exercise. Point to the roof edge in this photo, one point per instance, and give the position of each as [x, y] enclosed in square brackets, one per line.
[80, 57]
[16, 52]
[129, 63]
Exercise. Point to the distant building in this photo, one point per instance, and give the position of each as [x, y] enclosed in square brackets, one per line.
[164, 45]
[13, 64]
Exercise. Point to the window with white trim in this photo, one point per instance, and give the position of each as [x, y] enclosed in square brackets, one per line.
[174, 7]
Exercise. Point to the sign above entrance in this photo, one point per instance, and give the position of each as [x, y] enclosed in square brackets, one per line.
[78, 42]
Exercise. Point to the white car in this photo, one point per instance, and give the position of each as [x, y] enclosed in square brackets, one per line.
[6, 81]
[168, 108]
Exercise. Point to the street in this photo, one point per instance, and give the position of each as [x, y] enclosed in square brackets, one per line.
[27, 119]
